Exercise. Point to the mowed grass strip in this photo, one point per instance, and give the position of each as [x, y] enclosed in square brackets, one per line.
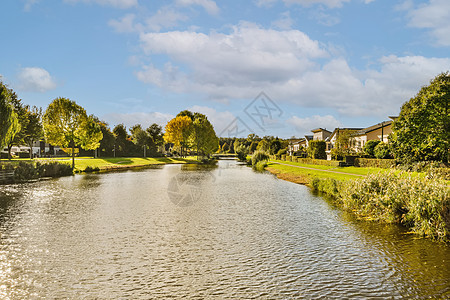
[304, 176]
[111, 163]
[349, 170]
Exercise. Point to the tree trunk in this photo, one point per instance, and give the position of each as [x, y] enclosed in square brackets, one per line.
[9, 152]
[31, 150]
[73, 155]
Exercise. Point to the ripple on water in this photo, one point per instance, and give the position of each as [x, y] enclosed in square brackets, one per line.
[244, 235]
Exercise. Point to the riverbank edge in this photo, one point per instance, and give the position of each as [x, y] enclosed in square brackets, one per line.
[430, 219]
[33, 171]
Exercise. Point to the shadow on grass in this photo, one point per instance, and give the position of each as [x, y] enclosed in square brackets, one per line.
[118, 160]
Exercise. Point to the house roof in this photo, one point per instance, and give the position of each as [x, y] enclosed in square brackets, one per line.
[352, 129]
[374, 127]
[308, 137]
[319, 130]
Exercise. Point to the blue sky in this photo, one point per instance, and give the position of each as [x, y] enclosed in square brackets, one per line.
[320, 63]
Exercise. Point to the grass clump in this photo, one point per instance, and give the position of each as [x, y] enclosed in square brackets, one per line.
[421, 203]
[259, 160]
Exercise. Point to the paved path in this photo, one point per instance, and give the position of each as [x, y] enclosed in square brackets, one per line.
[329, 171]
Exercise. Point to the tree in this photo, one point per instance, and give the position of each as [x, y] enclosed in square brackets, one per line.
[342, 146]
[66, 124]
[140, 137]
[8, 117]
[275, 146]
[33, 131]
[381, 150]
[178, 131]
[316, 149]
[92, 134]
[16, 134]
[225, 148]
[422, 130]
[203, 137]
[121, 136]
[369, 147]
[156, 136]
[108, 140]
[263, 145]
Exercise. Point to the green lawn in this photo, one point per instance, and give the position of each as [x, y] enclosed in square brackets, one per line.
[305, 175]
[105, 163]
[350, 170]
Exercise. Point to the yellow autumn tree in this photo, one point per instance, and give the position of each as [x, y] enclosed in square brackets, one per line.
[178, 131]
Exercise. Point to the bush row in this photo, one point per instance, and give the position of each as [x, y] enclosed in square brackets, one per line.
[374, 163]
[24, 171]
[309, 161]
[419, 203]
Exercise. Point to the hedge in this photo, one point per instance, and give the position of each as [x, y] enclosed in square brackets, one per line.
[374, 163]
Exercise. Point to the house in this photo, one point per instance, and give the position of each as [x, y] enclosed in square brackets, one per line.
[320, 134]
[378, 132]
[331, 140]
[296, 143]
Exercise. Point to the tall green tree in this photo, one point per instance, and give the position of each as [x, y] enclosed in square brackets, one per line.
[157, 137]
[203, 137]
[178, 131]
[121, 145]
[92, 134]
[422, 130]
[8, 118]
[66, 124]
[108, 140]
[33, 131]
[16, 133]
[140, 137]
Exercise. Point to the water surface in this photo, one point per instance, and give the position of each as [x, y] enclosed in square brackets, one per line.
[178, 232]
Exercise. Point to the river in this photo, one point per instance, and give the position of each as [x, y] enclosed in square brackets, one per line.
[179, 232]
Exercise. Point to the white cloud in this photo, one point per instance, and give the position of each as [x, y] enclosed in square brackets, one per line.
[209, 5]
[113, 3]
[165, 17]
[35, 80]
[328, 3]
[433, 16]
[303, 126]
[246, 57]
[125, 24]
[287, 64]
[285, 22]
[131, 119]
[29, 4]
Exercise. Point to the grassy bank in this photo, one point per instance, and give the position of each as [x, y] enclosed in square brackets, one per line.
[109, 163]
[416, 200]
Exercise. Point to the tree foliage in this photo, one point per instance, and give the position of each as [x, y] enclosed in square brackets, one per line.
[316, 149]
[203, 137]
[178, 131]
[66, 124]
[369, 147]
[33, 131]
[422, 130]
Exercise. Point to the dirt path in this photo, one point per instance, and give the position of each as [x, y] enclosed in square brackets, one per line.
[329, 171]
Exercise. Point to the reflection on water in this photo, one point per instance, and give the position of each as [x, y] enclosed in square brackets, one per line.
[242, 235]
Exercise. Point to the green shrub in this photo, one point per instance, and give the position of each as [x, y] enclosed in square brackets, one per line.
[54, 169]
[260, 165]
[382, 150]
[316, 150]
[90, 169]
[281, 152]
[423, 204]
[327, 185]
[258, 156]
[241, 152]
[321, 162]
[369, 147]
[374, 163]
